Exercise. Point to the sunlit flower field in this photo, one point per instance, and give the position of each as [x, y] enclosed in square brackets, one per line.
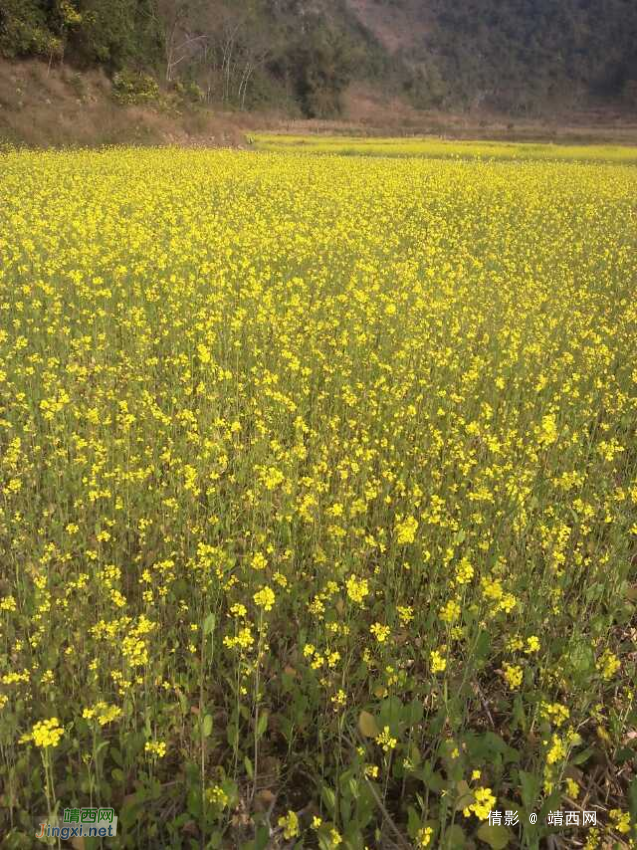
[318, 498]
[435, 146]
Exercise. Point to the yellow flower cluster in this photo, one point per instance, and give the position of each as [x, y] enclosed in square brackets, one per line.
[438, 662]
[484, 802]
[45, 734]
[380, 632]
[450, 612]
[424, 836]
[103, 712]
[608, 664]
[290, 825]
[513, 674]
[244, 639]
[386, 741]
[265, 598]
[555, 712]
[217, 796]
[357, 589]
[155, 749]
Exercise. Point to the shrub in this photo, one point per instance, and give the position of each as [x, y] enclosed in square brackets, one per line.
[24, 30]
[134, 87]
[190, 91]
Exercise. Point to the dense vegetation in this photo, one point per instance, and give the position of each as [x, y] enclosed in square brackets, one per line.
[521, 52]
[113, 32]
[516, 56]
[318, 498]
[241, 54]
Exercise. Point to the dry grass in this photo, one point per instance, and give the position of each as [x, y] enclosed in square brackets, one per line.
[367, 113]
[59, 107]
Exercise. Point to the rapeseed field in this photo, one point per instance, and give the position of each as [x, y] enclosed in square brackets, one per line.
[318, 499]
[436, 147]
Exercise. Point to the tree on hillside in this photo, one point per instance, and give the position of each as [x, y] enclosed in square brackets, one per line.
[322, 64]
[24, 28]
[118, 33]
[515, 56]
[238, 47]
[184, 38]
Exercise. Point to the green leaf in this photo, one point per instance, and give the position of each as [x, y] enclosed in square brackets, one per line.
[497, 837]
[209, 624]
[580, 758]
[249, 768]
[262, 838]
[391, 712]
[519, 715]
[483, 645]
[530, 789]
[632, 799]
[414, 755]
[262, 724]
[624, 754]
[329, 798]
[465, 797]
[455, 838]
[413, 822]
[193, 802]
[260, 841]
[232, 734]
[582, 658]
[432, 778]
[489, 745]
[367, 725]
[207, 726]
[414, 712]
[129, 812]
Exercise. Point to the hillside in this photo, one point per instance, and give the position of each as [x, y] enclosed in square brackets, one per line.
[519, 57]
[516, 55]
[61, 107]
